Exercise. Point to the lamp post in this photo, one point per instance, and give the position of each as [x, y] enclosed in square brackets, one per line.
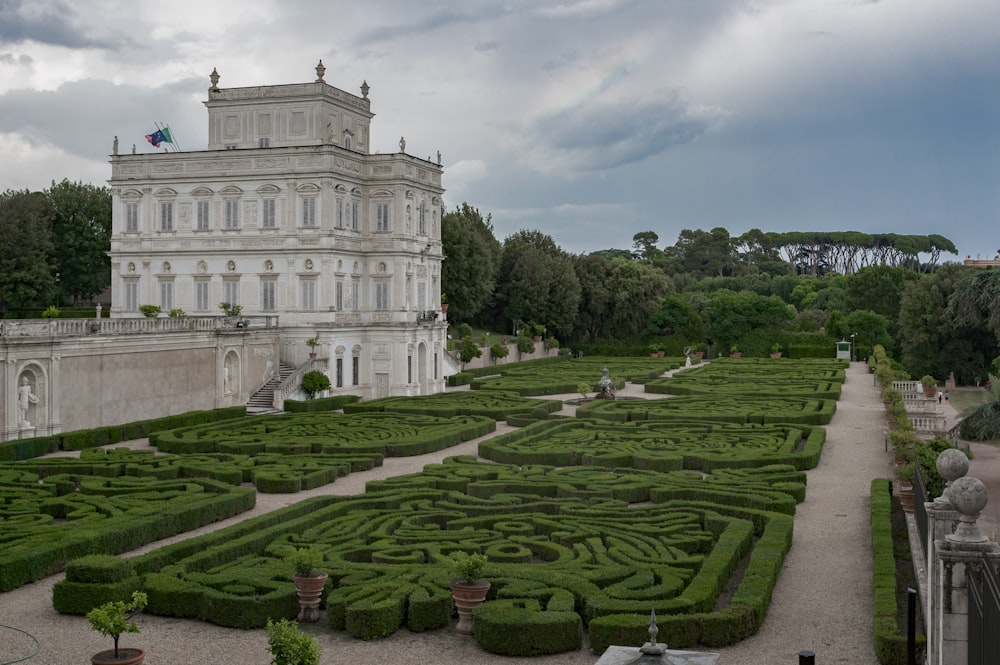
[853, 354]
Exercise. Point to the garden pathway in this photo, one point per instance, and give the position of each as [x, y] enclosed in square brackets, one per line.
[822, 600]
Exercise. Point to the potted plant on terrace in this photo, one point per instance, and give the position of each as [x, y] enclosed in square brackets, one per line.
[111, 620]
[734, 352]
[290, 646]
[929, 384]
[312, 343]
[309, 581]
[468, 589]
[444, 303]
[776, 350]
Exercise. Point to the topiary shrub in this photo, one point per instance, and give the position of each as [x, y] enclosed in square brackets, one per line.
[314, 382]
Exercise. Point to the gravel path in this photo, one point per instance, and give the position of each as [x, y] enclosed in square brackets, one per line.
[822, 601]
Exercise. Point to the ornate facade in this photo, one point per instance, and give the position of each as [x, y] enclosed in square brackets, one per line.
[287, 213]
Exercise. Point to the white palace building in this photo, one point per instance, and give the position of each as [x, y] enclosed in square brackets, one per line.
[288, 215]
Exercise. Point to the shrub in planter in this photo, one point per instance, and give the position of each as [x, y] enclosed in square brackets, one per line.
[150, 311]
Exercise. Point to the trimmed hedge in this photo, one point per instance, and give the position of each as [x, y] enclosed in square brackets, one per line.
[890, 637]
[321, 404]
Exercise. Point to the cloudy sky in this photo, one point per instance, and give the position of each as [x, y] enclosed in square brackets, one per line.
[590, 120]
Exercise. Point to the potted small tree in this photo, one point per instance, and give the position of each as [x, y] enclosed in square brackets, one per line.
[468, 589]
[734, 352]
[776, 350]
[111, 620]
[150, 311]
[290, 646]
[309, 581]
[929, 384]
[499, 351]
[444, 303]
[312, 343]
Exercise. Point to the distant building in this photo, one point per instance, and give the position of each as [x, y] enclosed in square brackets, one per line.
[288, 213]
[983, 263]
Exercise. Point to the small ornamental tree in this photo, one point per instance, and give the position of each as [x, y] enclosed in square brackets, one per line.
[314, 382]
[469, 350]
[115, 617]
[499, 350]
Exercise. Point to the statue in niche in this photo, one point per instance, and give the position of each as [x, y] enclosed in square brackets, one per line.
[25, 398]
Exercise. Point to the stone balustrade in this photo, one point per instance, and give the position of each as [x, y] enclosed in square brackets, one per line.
[130, 326]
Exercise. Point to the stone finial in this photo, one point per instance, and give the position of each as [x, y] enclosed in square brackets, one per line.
[968, 496]
[364, 89]
[320, 70]
[651, 647]
[114, 146]
[214, 78]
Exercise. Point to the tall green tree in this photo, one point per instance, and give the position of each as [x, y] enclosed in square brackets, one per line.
[617, 297]
[702, 253]
[537, 282]
[730, 316]
[81, 228]
[472, 258]
[675, 317]
[27, 275]
[878, 288]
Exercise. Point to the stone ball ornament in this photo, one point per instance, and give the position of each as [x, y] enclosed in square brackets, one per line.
[968, 496]
[952, 464]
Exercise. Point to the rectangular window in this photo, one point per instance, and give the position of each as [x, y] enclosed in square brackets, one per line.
[167, 216]
[267, 214]
[231, 291]
[355, 370]
[166, 296]
[355, 295]
[409, 369]
[308, 288]
[340, 372]
[339, 295]
[435, 365]
[382, 296]
[201, 295]
[355, 222]
[131, 296]
[131, 217]
[232, 214]
[421, 296]
[202, 215]
[382, 217]
[268, 289]
[263, 143]
[340, 213]
[422, 219]
[309, 212]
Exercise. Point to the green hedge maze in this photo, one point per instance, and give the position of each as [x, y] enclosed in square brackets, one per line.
[682, 503]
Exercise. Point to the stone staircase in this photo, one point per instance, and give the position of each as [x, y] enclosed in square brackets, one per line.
[262, 401]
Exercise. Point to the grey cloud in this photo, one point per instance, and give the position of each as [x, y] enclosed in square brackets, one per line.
[600, 137]
[56, 24]
[82, 117]
[11, 59]
[430, 23]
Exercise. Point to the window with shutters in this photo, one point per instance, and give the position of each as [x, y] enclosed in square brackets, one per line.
[132, 217]
[267, 216]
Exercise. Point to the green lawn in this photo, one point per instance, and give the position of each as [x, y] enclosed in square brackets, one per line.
[967, 399]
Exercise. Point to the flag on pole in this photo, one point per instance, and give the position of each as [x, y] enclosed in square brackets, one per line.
[160, 136]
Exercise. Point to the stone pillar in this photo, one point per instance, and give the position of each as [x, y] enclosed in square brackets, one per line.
[948, 620]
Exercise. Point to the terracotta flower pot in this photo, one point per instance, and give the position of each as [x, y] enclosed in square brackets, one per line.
[467, 596]
[125, 657]
[904, 491]
[309, 589]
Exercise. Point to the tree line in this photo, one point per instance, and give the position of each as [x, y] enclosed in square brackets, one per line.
[713, 291]
[54, 246]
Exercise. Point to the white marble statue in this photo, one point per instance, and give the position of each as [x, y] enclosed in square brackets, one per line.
[24, 398]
